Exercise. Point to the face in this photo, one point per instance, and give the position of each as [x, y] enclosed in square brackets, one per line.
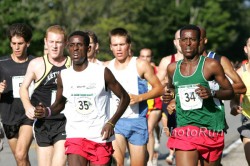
[77, 50]
[55, 43]
[119, 47]
[189, 43]
[145, 55]
[93, 48]
[19, 46]
[247, 48]
[176, 41]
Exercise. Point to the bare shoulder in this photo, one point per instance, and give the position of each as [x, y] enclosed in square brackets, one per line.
[164, 63]
[212, 64]
[142, 63]
[211, 61]
[224, 59]
[171, 66]
[226, 64]
[166, 60]
[143, 67]
[37, 60]
[36, 64]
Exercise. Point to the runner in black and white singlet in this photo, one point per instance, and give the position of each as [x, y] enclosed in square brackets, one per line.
[49, 132]
[17, 126]
[45, 92]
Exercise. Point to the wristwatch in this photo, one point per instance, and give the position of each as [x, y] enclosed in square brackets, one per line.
[212, 93]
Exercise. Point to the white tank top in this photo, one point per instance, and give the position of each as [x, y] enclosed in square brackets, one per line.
[133, 84]
[87, 102]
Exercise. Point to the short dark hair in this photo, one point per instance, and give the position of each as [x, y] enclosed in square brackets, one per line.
[192, 27]
[120, 32]
[83, 34]
[20, 29]
[93, 36]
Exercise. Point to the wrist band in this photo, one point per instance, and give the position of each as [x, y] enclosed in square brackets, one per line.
[213, 93]
[111, 124]
[49, 112]
[172, 95]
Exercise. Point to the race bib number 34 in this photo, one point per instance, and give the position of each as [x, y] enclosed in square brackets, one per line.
[189, 100]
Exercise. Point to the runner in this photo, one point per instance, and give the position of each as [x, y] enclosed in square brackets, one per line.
[88, 127]
[50, 131]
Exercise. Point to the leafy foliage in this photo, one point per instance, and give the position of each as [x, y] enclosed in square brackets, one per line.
[151, 23]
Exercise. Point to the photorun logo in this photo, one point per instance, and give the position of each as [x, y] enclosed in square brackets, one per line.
[193, 132]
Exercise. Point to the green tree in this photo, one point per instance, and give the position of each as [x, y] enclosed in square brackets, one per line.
[151, 23]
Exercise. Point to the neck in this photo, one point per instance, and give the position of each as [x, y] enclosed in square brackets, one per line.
[191, 61]
[81, 67]
[56, 61]
[93, 59]
[21, 59]
[121, 64]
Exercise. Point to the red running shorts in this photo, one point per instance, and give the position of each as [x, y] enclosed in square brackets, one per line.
[208, 143]
[97, 153]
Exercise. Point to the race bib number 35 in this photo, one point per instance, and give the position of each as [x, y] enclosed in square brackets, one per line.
[84, 105]
[189, 100]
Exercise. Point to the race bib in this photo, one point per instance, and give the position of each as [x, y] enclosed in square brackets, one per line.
[53, 96]
[189, 100]
[84, 105]
[16, 84]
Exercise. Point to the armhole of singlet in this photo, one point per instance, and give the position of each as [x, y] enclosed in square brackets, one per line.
[172, 58]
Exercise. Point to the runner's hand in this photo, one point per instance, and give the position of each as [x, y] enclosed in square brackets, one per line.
[203, 92]
[40, 111]
[107, 131]
[171, 107]
[235, 110]
[3, 86]
[168, 95]
[30, 113]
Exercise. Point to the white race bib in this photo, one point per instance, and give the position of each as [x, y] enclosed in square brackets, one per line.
[16, 84]
[84, 105]
[188, 98]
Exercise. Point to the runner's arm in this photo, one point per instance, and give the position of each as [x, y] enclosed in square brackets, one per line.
[238, 85]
